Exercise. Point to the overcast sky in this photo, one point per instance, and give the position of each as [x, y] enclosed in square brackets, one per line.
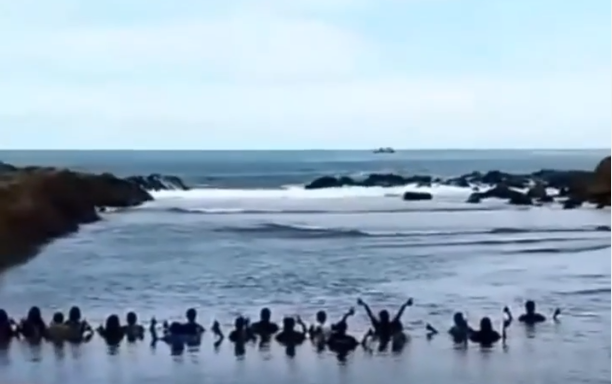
[284, 74]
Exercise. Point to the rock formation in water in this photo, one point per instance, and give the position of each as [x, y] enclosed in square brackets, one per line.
[157, 182]
[40, 204]
[600, 188]
[575, 186]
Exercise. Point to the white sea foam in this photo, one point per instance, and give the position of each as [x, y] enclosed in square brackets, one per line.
[298, 192]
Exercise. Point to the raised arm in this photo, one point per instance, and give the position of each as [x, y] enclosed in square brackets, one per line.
[400, 313]
[431, 331]
[368, 310]
[509, 318]
[216, 329]
[346, 316]
[302, 325]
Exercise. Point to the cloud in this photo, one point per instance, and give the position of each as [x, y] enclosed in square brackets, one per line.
[302, 73]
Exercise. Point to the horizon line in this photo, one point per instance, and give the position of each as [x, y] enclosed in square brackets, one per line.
[300, 149]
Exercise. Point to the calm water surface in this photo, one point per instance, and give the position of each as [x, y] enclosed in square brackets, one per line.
[250, 236]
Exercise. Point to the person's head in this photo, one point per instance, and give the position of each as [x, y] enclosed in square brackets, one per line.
[131, 319]
[34, 315]
[191, 315]
[384, 316]
[239, 323]
[458, 319]
[486, 325]
[321, 317]
[288, 323]
[4, 317]
[530, 307]
[265, 315]
[58, 318]
[74, 314]
[340, 328]
[112, 323]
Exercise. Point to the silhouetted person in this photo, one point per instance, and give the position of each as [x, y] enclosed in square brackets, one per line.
[191, 327]
[319, 331]
[288, 336]
[459, 332]
[8, 330]
[173, 335]
[486, 336]
[241, 332]
[339, 341]
[385, 327]
[264, 328]
[79, 329]
[133, 330]
[112, 332]
[58, 331]
[33, 327]
[531, 316]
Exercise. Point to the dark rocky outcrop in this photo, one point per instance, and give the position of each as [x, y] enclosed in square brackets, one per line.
[38, 205]
[599, 191]
[417, 196]
[372, 180]
[157, 182]
[575, 186]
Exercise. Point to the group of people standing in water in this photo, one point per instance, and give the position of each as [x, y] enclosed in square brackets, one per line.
[386, 331]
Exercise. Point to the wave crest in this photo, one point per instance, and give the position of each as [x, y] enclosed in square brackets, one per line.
[309, 232]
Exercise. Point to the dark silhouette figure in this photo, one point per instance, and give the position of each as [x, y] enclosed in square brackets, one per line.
[79, 329]
[385, 328]
[532, 317]
[33, 327]
[264, 328]
[486, 336]
[58, 331]
[192, 327]
[8, 328]
[288, 336]
[133, 330]
[460, 331]
[241, 333]
[173, 335]
[112, 332]
[339, 341]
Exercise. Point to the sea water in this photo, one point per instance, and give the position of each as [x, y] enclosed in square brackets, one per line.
[248, 235]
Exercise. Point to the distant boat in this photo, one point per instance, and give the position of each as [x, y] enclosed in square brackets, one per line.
[384, 150]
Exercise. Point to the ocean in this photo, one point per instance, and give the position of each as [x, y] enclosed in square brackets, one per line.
[248, 235]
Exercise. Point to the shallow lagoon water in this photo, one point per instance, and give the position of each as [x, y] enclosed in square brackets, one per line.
[232, 253]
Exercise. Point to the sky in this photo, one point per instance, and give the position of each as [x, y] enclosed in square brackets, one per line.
[305, 74]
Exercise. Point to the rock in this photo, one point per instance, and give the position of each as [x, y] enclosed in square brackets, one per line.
[519, 198]
[372, 180]
[384, 180]
[324, 182]
[546, 199]
[474, 198]
[38, 205]
[500, 191]
[416, 196]
[572, 203]
[4, 168]
[538, 192]
[157, 182]
[599, 190]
